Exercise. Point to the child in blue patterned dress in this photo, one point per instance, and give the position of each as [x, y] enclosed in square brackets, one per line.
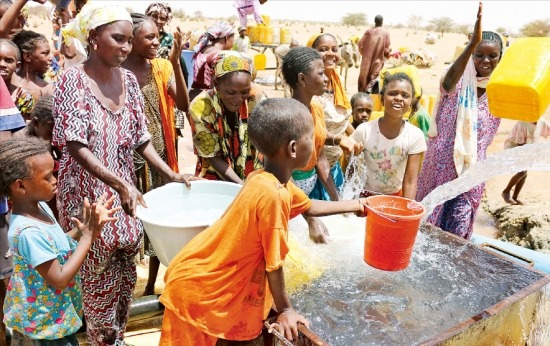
[43, 303]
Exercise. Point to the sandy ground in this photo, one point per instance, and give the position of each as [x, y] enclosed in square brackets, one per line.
[444, 49]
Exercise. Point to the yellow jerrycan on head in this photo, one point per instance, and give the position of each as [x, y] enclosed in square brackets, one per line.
[519, 87]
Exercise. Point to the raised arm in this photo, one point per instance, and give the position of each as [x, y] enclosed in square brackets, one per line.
[13, 11]
[456, 70]
[178, 92]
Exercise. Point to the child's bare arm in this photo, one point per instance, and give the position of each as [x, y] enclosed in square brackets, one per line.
[288, 319]
[324, 208]
[411, 176]
[59, 276]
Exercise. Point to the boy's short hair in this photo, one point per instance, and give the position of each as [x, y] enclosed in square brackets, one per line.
[275, 122]
[358, 96]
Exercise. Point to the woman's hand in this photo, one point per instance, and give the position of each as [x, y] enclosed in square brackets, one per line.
[129, 198]
[184, 178]
[95, 217]
[476, 37]
[177, 47]
[287, 324]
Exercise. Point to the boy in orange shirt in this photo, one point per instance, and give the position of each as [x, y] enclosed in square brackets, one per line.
[216, 286]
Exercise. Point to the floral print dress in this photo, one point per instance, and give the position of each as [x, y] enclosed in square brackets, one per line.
[456, 215]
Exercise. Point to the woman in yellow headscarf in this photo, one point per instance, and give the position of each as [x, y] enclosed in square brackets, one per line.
[336, 107]
[218, 120]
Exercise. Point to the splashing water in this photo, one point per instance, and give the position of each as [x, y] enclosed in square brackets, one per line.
[355, 178]
[530, 157]
[447, 282]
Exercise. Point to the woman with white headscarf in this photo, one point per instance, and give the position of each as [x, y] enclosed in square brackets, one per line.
[99, 122]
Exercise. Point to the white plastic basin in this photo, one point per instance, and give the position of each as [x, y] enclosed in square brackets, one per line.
[174, 214]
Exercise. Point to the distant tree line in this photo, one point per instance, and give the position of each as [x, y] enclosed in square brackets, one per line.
[443, 25]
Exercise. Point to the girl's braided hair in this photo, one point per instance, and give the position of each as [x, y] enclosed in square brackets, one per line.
[14, 155]
[138, 19]
[43, 109]
[27, 41]
[298, 60]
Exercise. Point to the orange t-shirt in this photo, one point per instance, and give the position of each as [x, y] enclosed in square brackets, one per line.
[319, 133]
[217, 282]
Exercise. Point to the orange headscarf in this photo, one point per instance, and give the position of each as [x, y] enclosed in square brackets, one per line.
[340, 97]
[162, 70]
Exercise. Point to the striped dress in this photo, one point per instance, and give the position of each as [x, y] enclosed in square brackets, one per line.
[108, 273]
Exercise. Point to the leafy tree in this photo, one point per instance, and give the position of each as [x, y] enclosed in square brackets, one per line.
[442, 24]
[178, 13]
[355, 19]
[464, 29]
[415, 21]
[198, 15]
[537, 28]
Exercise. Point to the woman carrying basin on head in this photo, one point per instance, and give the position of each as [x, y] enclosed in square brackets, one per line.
[99, 122]
[219, 117]
[462, 130]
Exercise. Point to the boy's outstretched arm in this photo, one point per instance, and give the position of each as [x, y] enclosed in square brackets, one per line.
[288, 319]
[324, 208]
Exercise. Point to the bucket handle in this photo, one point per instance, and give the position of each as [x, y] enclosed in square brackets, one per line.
[376, 212]
[511, 254]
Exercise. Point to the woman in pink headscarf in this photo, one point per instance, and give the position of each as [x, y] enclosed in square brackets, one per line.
[218, 37]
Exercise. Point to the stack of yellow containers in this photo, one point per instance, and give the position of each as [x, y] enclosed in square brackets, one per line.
[265, 34]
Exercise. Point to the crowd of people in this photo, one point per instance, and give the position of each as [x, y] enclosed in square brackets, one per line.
[82, 145]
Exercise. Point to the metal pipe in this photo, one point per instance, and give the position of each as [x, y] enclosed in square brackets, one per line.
[146, 305]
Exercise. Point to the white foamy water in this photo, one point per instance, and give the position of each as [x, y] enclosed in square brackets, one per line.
[446, 283]
[530, 157]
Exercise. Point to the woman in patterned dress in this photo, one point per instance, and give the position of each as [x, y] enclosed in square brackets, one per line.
[99, 122]
[162, 84]
[444, 160]
[219, 122]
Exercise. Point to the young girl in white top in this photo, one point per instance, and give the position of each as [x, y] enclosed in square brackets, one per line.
[393, 147]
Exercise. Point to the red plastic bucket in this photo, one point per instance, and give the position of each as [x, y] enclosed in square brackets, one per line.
[392, 225]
